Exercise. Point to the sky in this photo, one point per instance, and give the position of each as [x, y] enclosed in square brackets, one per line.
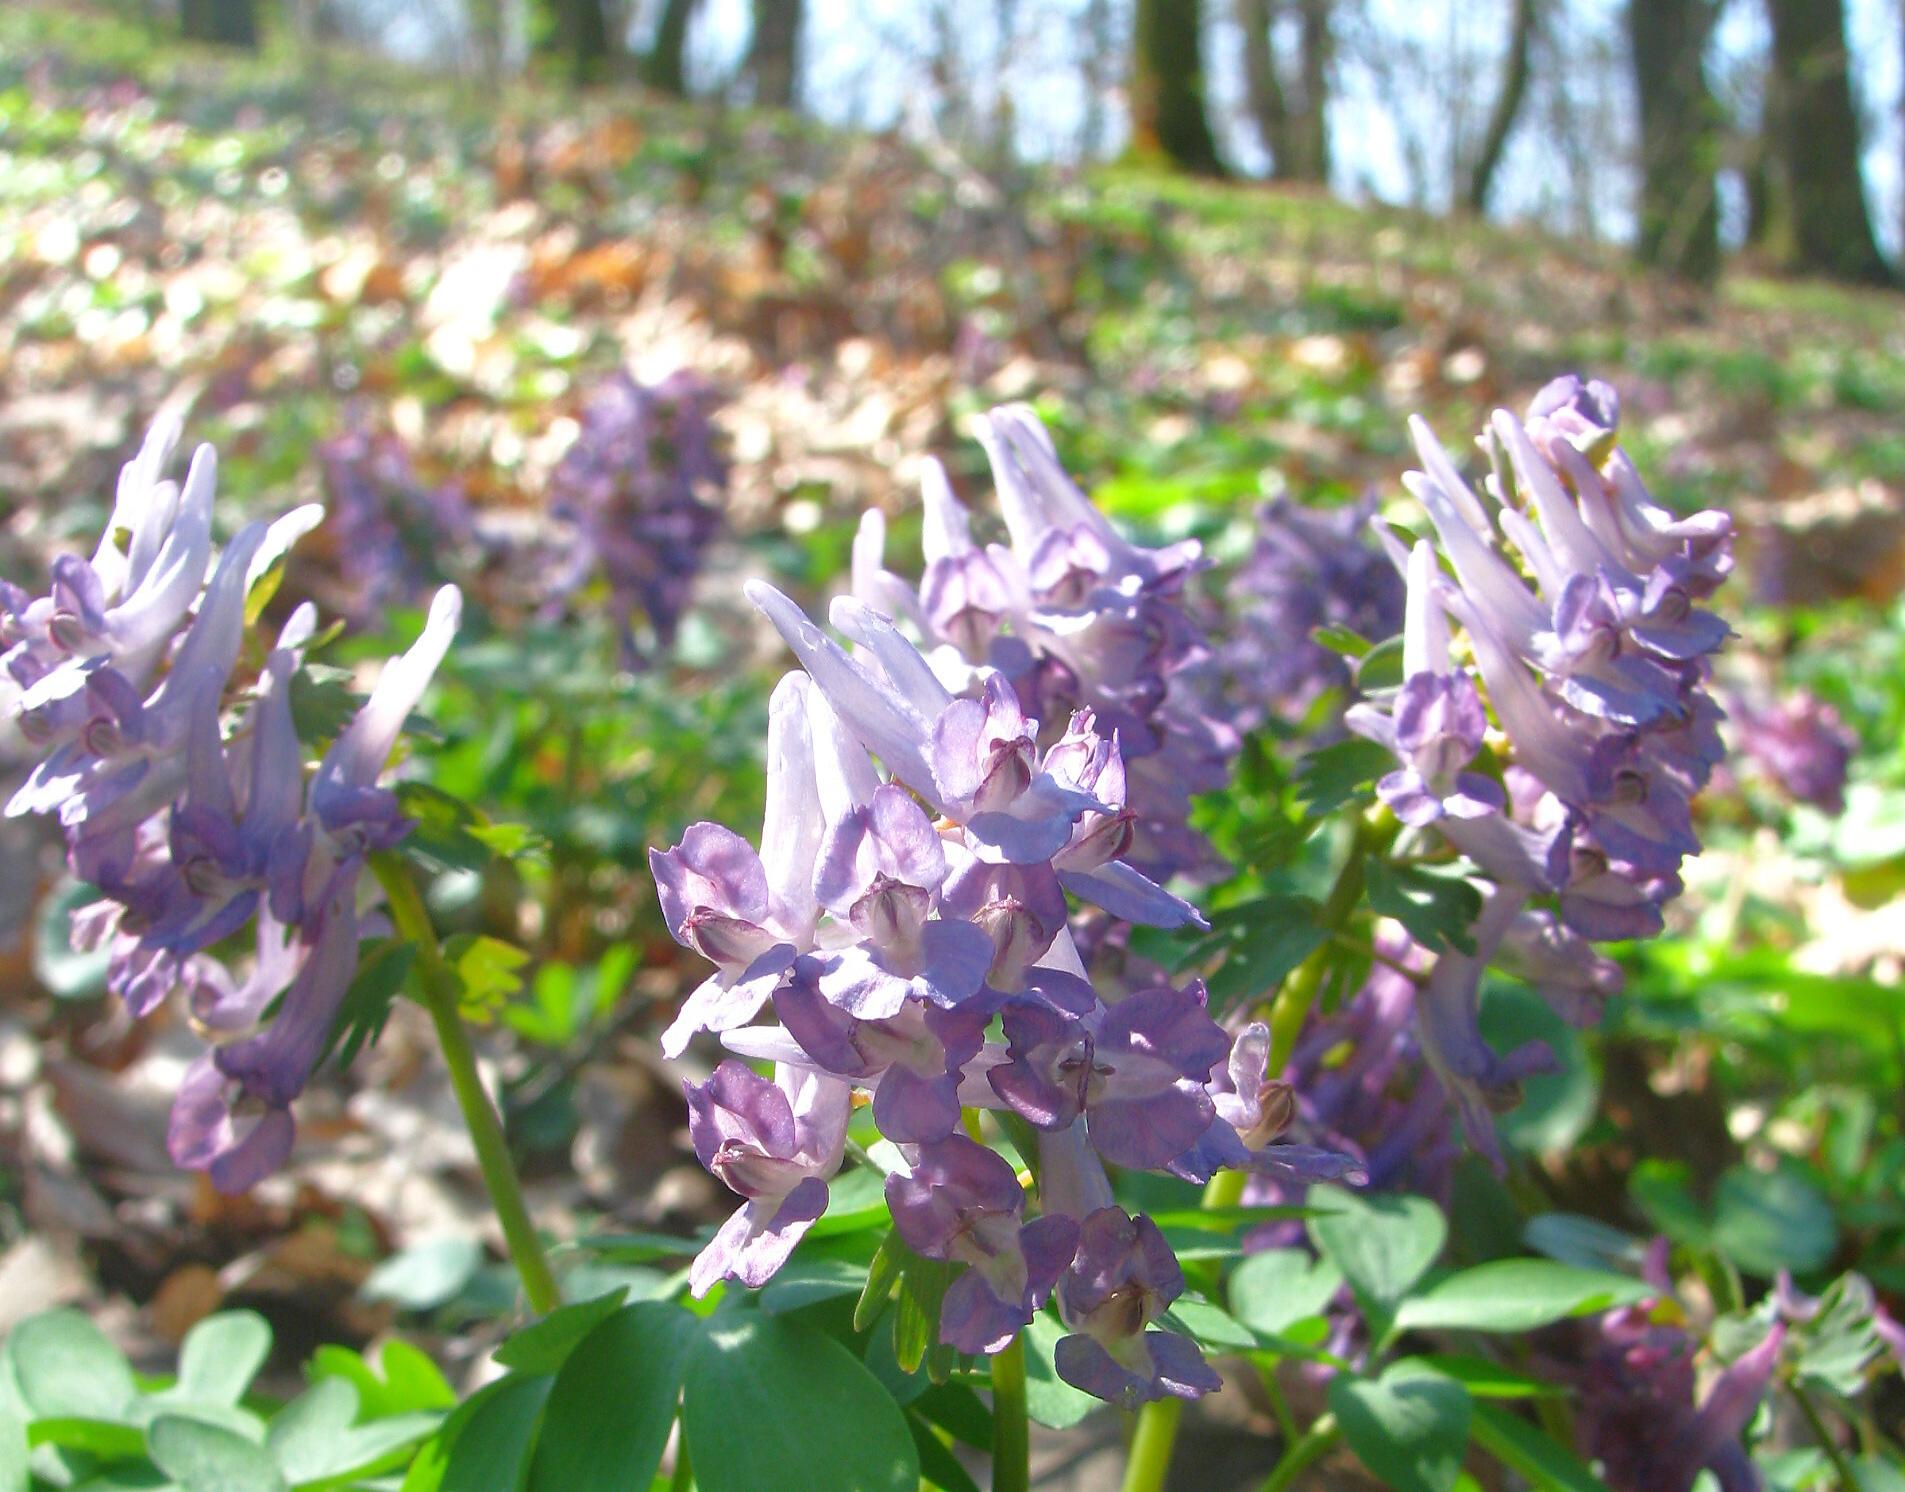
[1415, 81]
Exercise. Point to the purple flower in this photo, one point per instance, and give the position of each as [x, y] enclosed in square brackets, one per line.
[1309, 570]
[633, 492]
[1803, 746]
[1135, 1070]
[774, 1144]
[961, 1202]
[1437, 722]
[388, 532]
[912, 1059]
[1123, 1278]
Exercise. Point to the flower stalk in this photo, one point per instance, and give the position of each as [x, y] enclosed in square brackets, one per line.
[439, 985]
[1012, 1434]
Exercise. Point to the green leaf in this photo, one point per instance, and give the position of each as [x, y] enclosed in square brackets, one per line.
[489, 970]
[609, 1414]
[1343, 641]
[221, 1355]
[1516, 1295]
[381, 973]
[207, 1458]
[808, 1280]
[485, 1445]
[544, 1346]
[856, 1199]
[14, 1476]
[1437, 904]
[66, 972]
[1409, 1427]
[425, 1275]
[1766, 1221]
[1523, 1449]
[1584, 1241]
[67, 1369]
[111, 1440]
[409, 1381]
[1049, 1399]
[1489, 1380]
[1329, 778]
[1382, 1243]
[1261, 940]
[772, 1402]
[889, 1263]
[923, 1286]
[308, 1434]
[938, 1465]
[1211, 1326]
[1272, 1291]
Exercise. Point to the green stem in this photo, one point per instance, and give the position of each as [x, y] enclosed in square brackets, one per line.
[1299, 1457]
[440, 993]
[684, 1476]
[1011, 1434]
[1149, 1461]
[1816, 1422]
[1157, 1421]
[1292, 1005]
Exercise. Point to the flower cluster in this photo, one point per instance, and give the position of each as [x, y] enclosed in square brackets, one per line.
[1578, 596]
[387, 531]
[630, 494]
[1359, 1085]
[1802, 745]
[891, 915]
[1310, 569]
[1632, 1371]
[181, 790]
[1075, 617]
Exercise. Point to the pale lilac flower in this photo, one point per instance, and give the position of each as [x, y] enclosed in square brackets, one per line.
[1802, 745]
[1123, 1279]
[775, 1144]
[960, 1201]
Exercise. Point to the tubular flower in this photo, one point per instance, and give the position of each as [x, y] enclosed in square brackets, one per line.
[1074, 618]
[924, 827]
[1309, 569]
[182, 793]
[631, 497]
[1578, 599]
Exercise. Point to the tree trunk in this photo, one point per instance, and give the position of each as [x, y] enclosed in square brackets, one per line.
[1816, 149]
[1501, 121]
[1317, 50]
[226, 23]
[1263, 87]
[1167, 86]
[1291, 116]
[1679, 137]
[773, 56]
[578, 33]
[664, 68]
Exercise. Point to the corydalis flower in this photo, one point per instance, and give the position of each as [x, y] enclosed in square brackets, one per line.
[962, 1202]
[1076, 618]
[190, 814]
[894, 909]
[1122, 1279]
[1309, 570]
[389, 532]
[633, 491]
[1802, 745]
[775, 1144]
[1633, 1375]
[1578, 599]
